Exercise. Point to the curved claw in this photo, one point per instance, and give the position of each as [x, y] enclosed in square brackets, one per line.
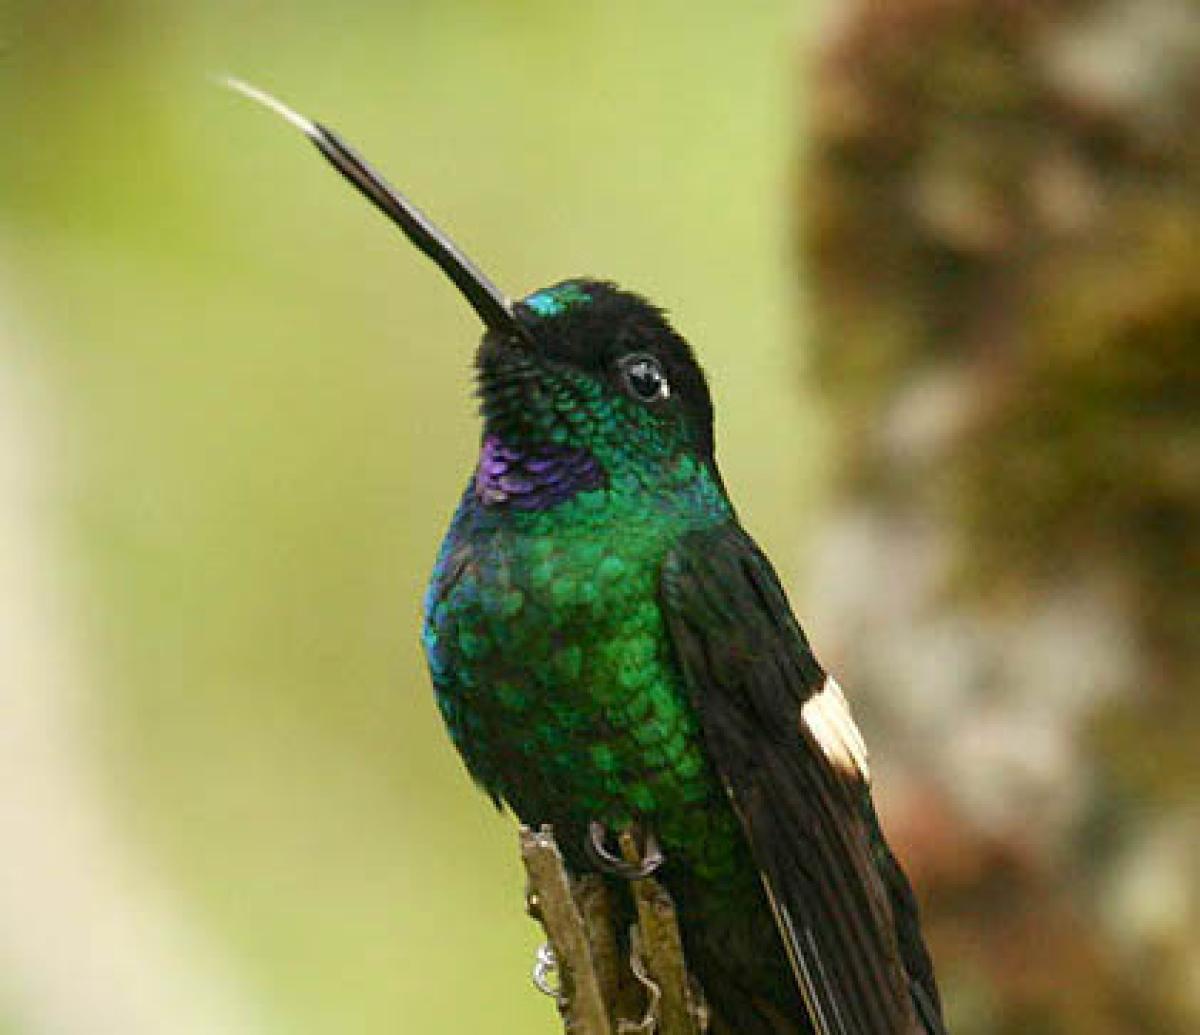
[607, 862]
[545, 964]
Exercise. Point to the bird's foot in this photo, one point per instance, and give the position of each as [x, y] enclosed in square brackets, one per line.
[634, 863]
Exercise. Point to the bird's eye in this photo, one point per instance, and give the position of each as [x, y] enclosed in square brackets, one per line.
[645, 378]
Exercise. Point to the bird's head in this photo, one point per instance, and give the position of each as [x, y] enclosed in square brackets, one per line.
[598, 369]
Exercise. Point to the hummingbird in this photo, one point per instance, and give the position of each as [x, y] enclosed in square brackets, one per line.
[610, 650]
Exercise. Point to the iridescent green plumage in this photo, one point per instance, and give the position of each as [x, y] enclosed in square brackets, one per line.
[552, 664]
[573, 679]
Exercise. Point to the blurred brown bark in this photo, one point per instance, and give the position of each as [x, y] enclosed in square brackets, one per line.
[1001, 238]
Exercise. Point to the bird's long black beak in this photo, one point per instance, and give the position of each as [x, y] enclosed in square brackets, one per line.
[492, 305]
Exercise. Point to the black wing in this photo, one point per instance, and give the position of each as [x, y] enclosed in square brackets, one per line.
[794, 766]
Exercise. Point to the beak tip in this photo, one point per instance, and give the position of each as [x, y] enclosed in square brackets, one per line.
[259, 96]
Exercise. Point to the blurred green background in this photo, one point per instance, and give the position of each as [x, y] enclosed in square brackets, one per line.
[938, 257]
[237, 416]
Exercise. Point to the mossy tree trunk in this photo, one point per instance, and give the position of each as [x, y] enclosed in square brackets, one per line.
[1001, 239]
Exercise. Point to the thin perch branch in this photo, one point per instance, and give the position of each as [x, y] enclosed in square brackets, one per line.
[602, 991]
[662, 951]
[552, 902]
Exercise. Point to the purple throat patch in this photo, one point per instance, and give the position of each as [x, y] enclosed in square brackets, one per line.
[533, 477]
